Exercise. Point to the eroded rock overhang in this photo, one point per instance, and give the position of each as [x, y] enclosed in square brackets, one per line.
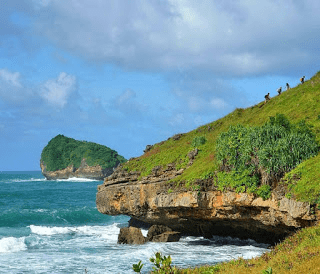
[204, 212]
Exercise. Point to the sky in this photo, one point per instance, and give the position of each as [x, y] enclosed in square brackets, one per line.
[131, 73]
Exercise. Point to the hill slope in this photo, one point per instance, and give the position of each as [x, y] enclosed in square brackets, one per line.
[299, 103]
[185, 184]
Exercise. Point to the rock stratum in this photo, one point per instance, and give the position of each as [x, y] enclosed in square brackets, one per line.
[84, 171]
[206, 212]
[65, 158]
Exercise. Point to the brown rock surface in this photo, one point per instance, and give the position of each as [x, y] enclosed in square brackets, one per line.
[131, 235]
[84, 171]
[206, 212]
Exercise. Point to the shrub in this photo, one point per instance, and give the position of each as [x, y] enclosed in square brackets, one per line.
[198, 141]
[248, 154]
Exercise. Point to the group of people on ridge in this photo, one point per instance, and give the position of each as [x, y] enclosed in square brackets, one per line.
[279, 90]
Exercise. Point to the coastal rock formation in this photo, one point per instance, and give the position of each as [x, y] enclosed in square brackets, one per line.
[65, 157]
[131, 235]
[84, 171]
[207, 211]
[156, 233]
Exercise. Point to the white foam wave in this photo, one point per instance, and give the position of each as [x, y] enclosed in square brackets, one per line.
[75, 179]
[30, 180]
[11, 244]
[108, 232]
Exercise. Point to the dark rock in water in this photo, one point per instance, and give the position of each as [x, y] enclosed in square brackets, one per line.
[131, 235]
[161, 233]
[157, 230]
[169, 236]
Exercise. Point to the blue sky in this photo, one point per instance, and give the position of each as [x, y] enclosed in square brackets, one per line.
[128, 73]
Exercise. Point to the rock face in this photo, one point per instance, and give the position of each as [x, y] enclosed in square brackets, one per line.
[131, 235]
[84, 171]
[156, 233]
[203, 212]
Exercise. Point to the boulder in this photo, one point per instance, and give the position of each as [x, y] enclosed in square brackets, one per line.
[169, 236]
[131, 235]
[161, 233]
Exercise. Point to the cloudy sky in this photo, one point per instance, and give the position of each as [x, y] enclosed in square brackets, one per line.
[128, 73]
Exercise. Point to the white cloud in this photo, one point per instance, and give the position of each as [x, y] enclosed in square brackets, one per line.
[128, 103]
[11, 88]
[57, 91]
[11, 78]
[226, 37]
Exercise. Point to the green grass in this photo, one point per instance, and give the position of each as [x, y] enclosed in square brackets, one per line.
[299, 253]
[299, 103]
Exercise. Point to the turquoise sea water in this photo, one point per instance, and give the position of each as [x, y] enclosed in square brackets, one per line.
[54, 227]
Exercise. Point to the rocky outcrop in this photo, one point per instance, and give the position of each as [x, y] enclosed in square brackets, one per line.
[156, 233]
[207, 211]
[161, 233]
[84, 171]
[131, 235]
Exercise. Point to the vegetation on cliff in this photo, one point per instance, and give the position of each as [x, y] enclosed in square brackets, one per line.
[253, 158]
[301, 103]
[62, 152]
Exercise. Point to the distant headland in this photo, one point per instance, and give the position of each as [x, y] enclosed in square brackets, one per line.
[64, 158]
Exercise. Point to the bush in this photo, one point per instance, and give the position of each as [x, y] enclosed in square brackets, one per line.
[263, 153]
[198, 141]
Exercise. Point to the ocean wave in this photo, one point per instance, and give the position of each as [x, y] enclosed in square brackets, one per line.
[75, 179]
[11, 244]
[109, 232]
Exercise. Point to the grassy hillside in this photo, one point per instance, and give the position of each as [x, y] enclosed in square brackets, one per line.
[299, 103]
[62, 151]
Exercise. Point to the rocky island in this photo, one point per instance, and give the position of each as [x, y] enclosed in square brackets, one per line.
[252, 174]
[65, 158]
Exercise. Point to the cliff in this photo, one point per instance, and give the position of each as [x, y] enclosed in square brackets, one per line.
[84, 171]
[206, 212]
[183, 184]
[65, 157]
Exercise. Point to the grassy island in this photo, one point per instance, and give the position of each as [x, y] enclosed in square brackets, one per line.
[62, 152]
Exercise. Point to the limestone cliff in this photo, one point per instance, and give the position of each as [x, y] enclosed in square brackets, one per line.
[152, 199]
[84, 171]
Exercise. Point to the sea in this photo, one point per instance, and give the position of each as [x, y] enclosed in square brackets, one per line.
[54, 227]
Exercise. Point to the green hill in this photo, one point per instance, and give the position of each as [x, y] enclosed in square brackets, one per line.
[62, 152]
[300, 175]
[300, 107]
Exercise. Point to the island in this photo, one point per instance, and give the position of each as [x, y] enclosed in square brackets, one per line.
[65, 157]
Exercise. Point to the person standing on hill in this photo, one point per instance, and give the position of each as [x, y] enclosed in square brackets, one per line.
[279, 90]
[287, 85]
[302, 79]
[267, 97]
